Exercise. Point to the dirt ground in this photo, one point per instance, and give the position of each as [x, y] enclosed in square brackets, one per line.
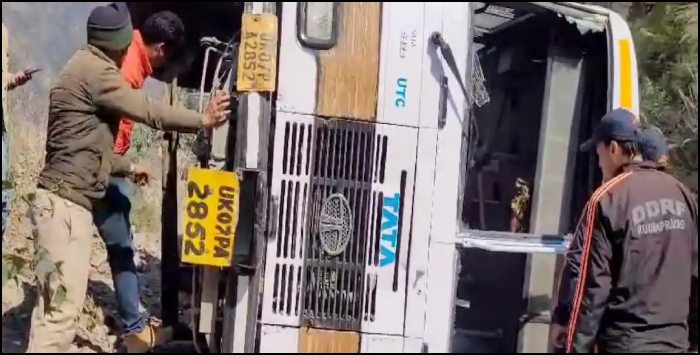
[98, 328]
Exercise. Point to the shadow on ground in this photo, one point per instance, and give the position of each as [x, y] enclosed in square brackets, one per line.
[99, 311]
[16, 321]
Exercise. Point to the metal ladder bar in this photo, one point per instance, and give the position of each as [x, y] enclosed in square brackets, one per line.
[508, 242]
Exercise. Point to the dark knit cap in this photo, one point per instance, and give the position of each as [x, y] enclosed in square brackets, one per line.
[109, 27]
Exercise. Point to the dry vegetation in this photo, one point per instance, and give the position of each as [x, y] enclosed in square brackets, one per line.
[97, 325]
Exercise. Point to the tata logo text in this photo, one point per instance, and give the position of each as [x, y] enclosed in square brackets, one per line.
[390, 230]
[401, 86]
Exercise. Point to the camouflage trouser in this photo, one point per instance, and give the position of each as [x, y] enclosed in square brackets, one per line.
[64, 234]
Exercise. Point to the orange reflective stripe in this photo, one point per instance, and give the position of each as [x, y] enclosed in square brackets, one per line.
[588, 242]
[626, 100]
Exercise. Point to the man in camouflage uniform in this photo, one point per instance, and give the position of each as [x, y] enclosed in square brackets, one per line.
[86, 105]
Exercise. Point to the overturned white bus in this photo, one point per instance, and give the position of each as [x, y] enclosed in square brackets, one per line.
[369, 175]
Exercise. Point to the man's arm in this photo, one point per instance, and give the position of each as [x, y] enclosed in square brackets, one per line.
[586, 283]
[569, 278]
[567, 289]
[113, 93]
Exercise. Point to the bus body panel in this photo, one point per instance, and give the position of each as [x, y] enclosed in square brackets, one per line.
[442, 252]
[402, 60]
[409, 307]
[625, 84]
[297, 77]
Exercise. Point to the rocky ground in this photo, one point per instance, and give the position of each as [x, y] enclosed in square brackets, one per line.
[98, 329]
[97, 326]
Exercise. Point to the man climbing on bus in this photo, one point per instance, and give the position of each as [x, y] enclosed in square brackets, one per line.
[160, 38]
[626, 282]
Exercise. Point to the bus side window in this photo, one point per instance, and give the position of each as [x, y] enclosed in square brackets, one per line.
[317, 24]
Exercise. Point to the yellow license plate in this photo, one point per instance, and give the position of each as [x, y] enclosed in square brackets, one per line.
[257, 57]
[210, 217]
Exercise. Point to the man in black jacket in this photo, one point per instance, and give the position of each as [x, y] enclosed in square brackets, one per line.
[655, 149]
[626, 283]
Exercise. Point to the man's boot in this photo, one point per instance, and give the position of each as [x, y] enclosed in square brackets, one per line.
[150, 337]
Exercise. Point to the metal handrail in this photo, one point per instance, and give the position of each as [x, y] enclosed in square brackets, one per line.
[508, 242]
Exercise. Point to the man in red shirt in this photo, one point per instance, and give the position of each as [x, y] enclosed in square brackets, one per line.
[152, 47]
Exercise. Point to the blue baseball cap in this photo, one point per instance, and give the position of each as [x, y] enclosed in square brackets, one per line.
[653, 144]
[619, 125]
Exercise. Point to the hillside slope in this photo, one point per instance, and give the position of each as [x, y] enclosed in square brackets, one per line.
[44, 35]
